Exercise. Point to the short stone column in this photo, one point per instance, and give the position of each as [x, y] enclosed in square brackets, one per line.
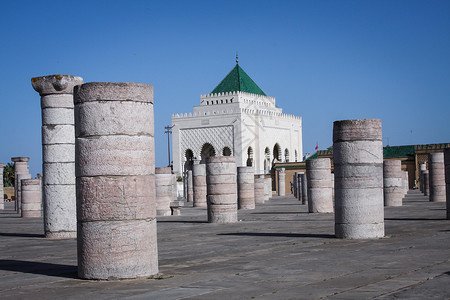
[221, 189]
[405, 183]
[2, 198]
[199, 183]
[437, 176]
[332, 187]
[246, 187]
[164, 194]
[304, 189]
[20, 168]
[260, 183]
[447, 179]
[190, 187]
[426, 183]
[267, 188]
[358, 175]
[31, 198]
[282, 182]
[320, 198]
[298, 178]
[422, 167]
[115, 173]
[58, 153]
[392, 182]
[294, 181]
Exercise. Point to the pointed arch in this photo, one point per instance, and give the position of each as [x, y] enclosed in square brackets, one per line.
[276, 153]
[286, 155]
[226, 151]
[188, 159]
[249, 157]
[207, 151]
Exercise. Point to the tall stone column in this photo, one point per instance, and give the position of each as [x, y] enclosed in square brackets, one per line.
[260, 183]
[282, 182]
[298, 178]
[31, 198]
[246, 187]
[437, 176]
[392, 182]
[447, 179]
[21, 171]
[2, 198]
[423, 167]
[58, 153]
[199, 183]
[221, 189]
[164, 194]
[426, 183]
[320, 198]
[115, 174]
[358, 175]
[304, 189]
[190, 187]
[294, 181]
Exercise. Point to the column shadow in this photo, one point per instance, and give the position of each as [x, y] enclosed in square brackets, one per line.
[30, 235]
[276, 234]
[40, 268]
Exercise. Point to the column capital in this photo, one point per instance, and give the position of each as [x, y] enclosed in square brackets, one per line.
[55, 84]
[20, 159]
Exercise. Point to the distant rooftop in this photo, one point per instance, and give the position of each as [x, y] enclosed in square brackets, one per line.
[238, 81]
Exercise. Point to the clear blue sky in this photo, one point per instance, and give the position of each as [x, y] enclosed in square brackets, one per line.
[322, 60]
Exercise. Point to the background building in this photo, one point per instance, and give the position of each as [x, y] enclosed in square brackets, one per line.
[237, 118]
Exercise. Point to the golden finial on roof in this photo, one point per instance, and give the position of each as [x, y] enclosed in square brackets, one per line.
[237, 58]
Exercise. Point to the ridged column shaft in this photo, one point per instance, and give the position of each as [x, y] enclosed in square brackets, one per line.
[31, 198]
[199, 182]
[320, 198]
[358, 175]
[392, 182]
[164, 193]
[221, 189]
[115, 173]
[246, 187]
[21, 171]
[437, 176]
[282, 182]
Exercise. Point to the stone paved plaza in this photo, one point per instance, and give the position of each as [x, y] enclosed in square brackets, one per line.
[277, 251]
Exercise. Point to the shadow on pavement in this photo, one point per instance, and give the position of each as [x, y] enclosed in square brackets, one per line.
[414, 219]
[32, 235]
[40, 268]
[272, 234]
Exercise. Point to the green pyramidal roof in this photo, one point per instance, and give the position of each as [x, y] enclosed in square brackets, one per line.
[238, 81]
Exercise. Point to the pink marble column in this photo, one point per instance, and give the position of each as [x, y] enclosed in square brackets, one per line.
[259, 189]
[282, 182]
[320, 199]
[246, 187]
[115, 175]
[164, 194]
[199, 184]
[392, 182]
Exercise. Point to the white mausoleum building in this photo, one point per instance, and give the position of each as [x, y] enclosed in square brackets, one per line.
[236, 118]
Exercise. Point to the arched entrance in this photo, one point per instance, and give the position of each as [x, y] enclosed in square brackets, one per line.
[188, 159]
[207, 151]
[249, 157]
[226, 151]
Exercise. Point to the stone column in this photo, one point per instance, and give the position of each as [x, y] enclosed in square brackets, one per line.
[282, 182]
[304, 189]
[358, 175]
[299, 185]
[190, 187]
[31, 198]
[447, 179]
[164, 194]
[332, 187]
[58, 153]
[423, 167]
[405, 182]
[320, 198]
[294, 181]
[199, 182]
[2, 198]
[20, 168]
[267, 188]
[260, 183]
[437, 176]
[221, 189]
[246, 187]
[426, 183]
[392, 182]
[115, 173]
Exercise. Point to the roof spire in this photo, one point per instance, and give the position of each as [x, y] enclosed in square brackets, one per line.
[237, 58]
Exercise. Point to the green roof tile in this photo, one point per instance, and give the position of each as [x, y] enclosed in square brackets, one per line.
[238, 81]
[398, 151]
